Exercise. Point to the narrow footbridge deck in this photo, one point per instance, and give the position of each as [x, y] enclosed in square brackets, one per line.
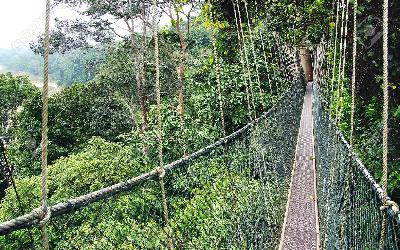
[300, 230]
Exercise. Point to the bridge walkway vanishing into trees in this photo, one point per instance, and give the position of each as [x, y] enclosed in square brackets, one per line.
[300, 230]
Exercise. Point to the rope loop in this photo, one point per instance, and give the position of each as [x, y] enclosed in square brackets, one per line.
[43, 216]
[390, 204]
[161, 172]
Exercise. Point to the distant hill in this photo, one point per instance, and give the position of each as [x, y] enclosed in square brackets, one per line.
[64, 69]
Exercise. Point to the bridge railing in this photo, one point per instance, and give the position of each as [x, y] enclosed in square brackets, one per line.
[349, 198]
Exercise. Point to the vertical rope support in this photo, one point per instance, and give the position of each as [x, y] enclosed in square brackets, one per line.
[345, 225]
[45, 212]
[159, 129]
[385, 118]
[254, 54]
[330, 39]
[339, 79]
[343, 63]
[335, 51]
[353, 76]
[349, 173]
[264, 55]
[239, 17]
[333, 165]
[221, 102]
[249, 109]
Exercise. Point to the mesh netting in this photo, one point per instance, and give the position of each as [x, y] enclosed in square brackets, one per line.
[230, 195]
[349, 198]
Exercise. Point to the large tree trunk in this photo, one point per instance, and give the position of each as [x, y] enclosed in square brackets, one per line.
[180, 70]
[140, 85]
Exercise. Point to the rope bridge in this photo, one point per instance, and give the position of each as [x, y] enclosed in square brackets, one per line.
[233, 194]
[235, 188]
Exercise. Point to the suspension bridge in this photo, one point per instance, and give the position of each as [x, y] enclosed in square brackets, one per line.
[287, 180]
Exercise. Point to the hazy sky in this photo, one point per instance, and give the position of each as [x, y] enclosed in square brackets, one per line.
[18, 18]
[22, 20]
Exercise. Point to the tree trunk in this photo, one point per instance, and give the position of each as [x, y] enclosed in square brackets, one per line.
[180, 70]
[140, 85]
[4, 182]
[143, 99]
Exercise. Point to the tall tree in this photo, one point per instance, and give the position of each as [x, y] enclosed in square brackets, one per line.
[180, 12]
[102, 22]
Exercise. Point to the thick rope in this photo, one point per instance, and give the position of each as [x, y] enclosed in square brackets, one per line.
[330, 41]
[45, 213]
[346, 224]
[385, 118]
[161, 169]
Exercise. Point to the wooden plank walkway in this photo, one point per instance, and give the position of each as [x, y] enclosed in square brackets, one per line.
[300, 229]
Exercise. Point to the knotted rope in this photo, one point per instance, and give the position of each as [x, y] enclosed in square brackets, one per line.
[160, 169]
[45, 212]
[385, 120]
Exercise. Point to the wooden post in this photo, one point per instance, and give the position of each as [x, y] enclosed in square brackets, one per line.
[306, 63]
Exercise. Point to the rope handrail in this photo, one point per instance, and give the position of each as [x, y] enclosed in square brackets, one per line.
[31, 219]
[360, 165]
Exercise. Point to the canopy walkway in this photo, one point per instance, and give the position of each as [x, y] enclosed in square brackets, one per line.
[287, 180]
[260, 155]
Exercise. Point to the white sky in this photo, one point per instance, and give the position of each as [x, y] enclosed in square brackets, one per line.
[22, 20]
